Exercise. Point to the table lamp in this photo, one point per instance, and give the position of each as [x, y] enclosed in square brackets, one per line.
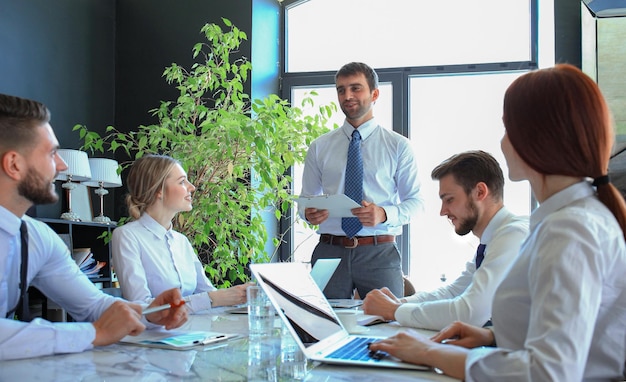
[103, 174]
[77, 170]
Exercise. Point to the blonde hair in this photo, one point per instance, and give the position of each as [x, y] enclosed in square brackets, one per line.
[145, 179]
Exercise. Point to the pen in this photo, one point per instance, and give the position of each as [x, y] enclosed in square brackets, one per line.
[160, 308]
[208, 340]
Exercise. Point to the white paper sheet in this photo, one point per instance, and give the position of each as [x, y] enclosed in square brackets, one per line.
[178, 340]
[338, 206]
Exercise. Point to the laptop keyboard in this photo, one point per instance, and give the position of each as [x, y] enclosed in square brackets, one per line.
[357, 350]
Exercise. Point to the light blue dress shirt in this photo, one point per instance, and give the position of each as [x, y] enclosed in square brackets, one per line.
[52, 270]
[560, 314]
[390, 177]
[150, 259]
[470, 296]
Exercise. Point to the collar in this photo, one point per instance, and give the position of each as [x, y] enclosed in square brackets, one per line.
[153, 226]
[365, 129]
[10, 223]
[580, 190]
[496, 221]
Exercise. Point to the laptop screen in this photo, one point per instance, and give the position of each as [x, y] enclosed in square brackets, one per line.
[301, 301]
[323, 270]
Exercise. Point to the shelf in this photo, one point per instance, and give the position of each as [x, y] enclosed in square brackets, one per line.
[81, 223]
[83, 235]
[88, 235]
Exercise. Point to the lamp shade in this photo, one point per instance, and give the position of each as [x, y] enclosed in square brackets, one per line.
[606, 8]
[77, 165]
[103, 170]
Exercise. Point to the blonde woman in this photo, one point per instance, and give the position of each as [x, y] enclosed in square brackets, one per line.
[148, 255]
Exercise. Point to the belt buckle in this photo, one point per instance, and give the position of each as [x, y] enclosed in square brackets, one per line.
[355, 243]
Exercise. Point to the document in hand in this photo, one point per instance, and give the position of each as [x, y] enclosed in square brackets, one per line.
[338, 206]
[177, 340]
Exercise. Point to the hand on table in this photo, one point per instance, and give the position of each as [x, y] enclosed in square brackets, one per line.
[234, 295]
[173, 317]
[381, 302]
[120, 319]
[465, 335]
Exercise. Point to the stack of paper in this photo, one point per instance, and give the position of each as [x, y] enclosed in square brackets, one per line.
[87, 264]
[81, 254]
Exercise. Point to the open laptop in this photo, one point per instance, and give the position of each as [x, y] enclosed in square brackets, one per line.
[322, 272]
[304, 310]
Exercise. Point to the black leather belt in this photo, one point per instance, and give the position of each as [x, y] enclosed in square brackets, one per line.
[347, 242]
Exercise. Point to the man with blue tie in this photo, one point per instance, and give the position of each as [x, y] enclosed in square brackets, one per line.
[376, 168]
[471, 186]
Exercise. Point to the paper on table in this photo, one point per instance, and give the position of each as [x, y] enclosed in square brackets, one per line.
[178, 340]
[369, 319]
[338, 206]
[344, 302]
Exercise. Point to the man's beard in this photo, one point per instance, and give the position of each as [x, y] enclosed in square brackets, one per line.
[354, 114]
[36, 189]
[468, 223]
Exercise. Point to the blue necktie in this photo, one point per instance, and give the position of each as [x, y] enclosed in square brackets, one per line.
[354, 182]
[480, 255]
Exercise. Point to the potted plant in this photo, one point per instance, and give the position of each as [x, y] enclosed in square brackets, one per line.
[237, 151]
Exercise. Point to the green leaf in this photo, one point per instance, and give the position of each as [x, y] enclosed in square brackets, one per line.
[235, 149]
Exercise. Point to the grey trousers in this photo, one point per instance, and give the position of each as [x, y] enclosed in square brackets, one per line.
[364, 268]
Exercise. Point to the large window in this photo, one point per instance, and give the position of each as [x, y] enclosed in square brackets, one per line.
[448, 115]
[325, 34]
[443, 70]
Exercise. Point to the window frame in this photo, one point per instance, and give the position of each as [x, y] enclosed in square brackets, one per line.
[399, 77]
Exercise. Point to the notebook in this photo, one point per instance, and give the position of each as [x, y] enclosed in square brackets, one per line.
[176, 340]
[307, 314]
[345, 303]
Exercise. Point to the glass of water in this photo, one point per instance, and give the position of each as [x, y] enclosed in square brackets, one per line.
[260, 313]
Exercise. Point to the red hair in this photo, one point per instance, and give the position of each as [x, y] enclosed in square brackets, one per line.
[559, 123]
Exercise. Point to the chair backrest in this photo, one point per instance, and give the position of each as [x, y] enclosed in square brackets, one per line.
[409, 289]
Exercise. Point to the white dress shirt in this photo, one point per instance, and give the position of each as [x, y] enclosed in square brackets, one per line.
[150, 259]
[469, 297]
[52, 270]
[560, 314]
[390, 178]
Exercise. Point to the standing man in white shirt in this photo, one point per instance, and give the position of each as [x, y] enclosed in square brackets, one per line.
[471, 186]
[29, 163]
[389, 197]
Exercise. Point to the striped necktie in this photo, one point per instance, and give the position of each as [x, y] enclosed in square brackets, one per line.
[353, 182]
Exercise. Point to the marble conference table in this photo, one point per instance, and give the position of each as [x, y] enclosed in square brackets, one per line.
[227, 361]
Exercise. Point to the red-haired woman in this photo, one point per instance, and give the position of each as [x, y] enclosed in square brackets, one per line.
[560, 314]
